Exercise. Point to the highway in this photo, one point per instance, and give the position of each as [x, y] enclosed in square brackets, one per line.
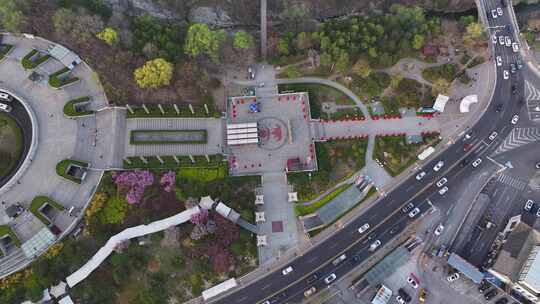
[386, 213]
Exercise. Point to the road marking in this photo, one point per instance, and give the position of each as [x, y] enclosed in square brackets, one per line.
[266, 286]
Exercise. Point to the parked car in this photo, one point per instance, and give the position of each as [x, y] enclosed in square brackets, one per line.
[374, 245]
[514, 89]
[439, 229]
[538, 212]
[5, 108]
[467, 147]
[515, 119]
[499, 107]
[491, 294]
[501, 40]
[442, 181]
[422, 295]
[339, 259]
[515, 47]
[499, 60]
[5, 97]
[499, 11]
[494, 39]
[483, 286]
[364, 228]
[400, 300]
[420, 175]
[404, 295]
[507, 41]
[494, 14]
[438, 166]
[506, 75]
[412, 281]
[443, 190]
[287, 270]
[537, 165]
[310, 291]
[528, 205]
[331, 278]
[493, 135]
[477, 162]
[519, 63]
[313, 278]
[453, 277]
[408, 208]
[414, 212]
[512, 68]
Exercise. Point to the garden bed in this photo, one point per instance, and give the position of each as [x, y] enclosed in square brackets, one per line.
[38, 202]
[301, 209]
[56, 81]
[29, 64]
[4, 50]
[62, 166]
[69, 107]
[161, 137]
[6, 230]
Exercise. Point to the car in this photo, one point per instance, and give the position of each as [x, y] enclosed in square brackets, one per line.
[364, 228]
[5, 97]
[506, 75]
[484, 285]
[442, 181]
[412, 281]
[507, 41]
[512, 68]
[439, 229]
[515, 119]
[422, 296]
[287, 270]
[5, 108]
[408, 208]
[414, 212]
[331, 278]
[538, 212]
[514, 89]
[499, 61]
[493, 135]
[494, 39]
[501, 40]
[443, 190]
[515, 47]
[310, 291]
[374, 245]
[420, 175]
[528, 205]
[266, 302]
[491, 294]
[261, 85]
[466, 147]
[355, 259]
[501, 301]
[519, 63]
[453, 277]
[499, 11]
[394, 229]
[400, 300]
[477, 162]
[537, 165]
[438, 166]
[494, 14]
[339, 259]
[404, 295]
[313, 278]
[499, 107]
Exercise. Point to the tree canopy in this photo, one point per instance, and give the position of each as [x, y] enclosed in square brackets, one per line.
[243, 40]
[201, 40]
[109, 35]
[154, 74]
[11, 15]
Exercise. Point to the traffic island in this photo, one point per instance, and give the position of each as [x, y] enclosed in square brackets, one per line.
[78, 107]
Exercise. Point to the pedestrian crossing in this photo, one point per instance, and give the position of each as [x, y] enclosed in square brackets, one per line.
[512, 182]
[517, 138]
[532, 96]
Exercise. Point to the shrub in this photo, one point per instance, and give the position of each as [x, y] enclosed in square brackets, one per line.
[69, 107]
[29, 64]
[154, 74]
[56, 82]
[62, 166]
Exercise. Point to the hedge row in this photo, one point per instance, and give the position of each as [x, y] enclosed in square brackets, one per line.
[134, 141]
[4, 50]
[30, 64]
[56, 82]
[69, 107]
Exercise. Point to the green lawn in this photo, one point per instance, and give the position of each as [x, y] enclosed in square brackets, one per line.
[56, 82]
[63, 165]
[5, 229]
[69, 107]
[302, 209]
[204, 174]
[5, 49]
[11, 144]
[135, 141]
[29, 64]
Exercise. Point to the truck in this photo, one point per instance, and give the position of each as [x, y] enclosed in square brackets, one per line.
[422, 295]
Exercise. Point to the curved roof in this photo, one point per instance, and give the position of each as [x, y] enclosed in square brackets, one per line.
[466, 102]
[440, 102]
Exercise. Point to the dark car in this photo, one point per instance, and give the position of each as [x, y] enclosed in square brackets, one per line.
[312, 278]
[408, 208]
[406, 297]
[491, 294]
[514, 89]
[501, 301]
[519, 64]
[499, 107]
[396, 227]
[483, 286]
[355, 259]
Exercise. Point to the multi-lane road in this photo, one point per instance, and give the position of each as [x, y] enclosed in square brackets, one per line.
[386, 213]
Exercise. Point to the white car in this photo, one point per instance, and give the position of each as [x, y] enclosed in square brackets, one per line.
[515, 47]
[499, 11]
[374, 245]
[412, 281]
[508, 41]
[443, 190]
[287, 270]
[438, 166]
[515, 119]
[494, 14]
[528, 205]
[506, 75]
[477, 162]
[414, 212]
[493, 135]
[400, 300]
[499, 61]
[439, 229]
[441, 182]
[364, 228]
[420, 175]
[310, 291]
[5, 108]
[453, 277]
[494, 39]
[538, 212]
[501, 40]
[329, 279]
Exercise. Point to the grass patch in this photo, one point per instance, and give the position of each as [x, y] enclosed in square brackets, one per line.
[347, 113]
[11, 144]
[38, 202]
[56, 81]
[396, 155]
[337, 160]
[62, 166]
[69, 107]
[371, 86]
[302, 209]
[318, 94]
[157, 133]
[204, 174]
[446, 71]
[29, 64]
[6, 230]
[4, 50]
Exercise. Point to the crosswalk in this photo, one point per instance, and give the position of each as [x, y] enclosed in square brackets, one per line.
[532, 96]
[512, 182]
[517, 138]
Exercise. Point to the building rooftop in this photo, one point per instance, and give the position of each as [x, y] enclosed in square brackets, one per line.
[530, 273]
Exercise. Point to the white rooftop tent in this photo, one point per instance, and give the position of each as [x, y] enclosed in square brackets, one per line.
[440, 103]
[466, 102]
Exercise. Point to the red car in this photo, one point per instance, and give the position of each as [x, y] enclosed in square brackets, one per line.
[467, 147]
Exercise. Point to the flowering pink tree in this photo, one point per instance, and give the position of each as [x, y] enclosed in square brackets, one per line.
[167, 180]
[135, 182]
[200, 218]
